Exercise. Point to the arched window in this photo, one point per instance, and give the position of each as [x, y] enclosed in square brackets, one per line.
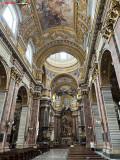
[10, 17]
[29, 53]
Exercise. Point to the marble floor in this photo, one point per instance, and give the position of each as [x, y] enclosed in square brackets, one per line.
[53, 154]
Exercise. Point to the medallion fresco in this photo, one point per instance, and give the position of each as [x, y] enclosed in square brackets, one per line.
[55, 13]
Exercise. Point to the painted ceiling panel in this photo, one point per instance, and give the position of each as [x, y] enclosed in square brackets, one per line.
[55, 13]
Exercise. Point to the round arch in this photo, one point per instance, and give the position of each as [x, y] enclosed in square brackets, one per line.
[22, 98]
[3, 76]
[104, 68]
[63, 84]
[52, 48]
[61, 75]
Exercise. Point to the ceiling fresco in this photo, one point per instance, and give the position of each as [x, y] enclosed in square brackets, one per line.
[63, 79]
[55, 13]
[63, 90]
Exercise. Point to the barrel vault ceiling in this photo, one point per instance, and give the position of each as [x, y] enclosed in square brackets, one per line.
[55, 25]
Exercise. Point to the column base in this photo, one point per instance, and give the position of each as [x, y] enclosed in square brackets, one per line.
[99, 148]
[1, 150]
[112, 153]
[6, 149]
[19, 147]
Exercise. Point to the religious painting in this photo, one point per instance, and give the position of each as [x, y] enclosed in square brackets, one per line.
[55, 13]
[66, 126]
[68, 90]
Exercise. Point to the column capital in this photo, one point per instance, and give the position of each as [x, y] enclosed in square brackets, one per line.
[13, 73]
[84, 93]
[36, 95]
[94, 70]
[18, 78]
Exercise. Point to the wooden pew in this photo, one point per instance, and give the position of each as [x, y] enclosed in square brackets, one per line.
[20, 154]
[82, 153]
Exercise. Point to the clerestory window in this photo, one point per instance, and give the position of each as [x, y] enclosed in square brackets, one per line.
[29, 53]
[10, 17]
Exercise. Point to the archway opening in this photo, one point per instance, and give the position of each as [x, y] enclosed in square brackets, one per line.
[109, 79]
[21, 101]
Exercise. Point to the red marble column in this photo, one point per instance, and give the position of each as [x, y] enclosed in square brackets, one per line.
[88, 118]
[101, 109]
[32, 127]
[11, 115]
[7, 109]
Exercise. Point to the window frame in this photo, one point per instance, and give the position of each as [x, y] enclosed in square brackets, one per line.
[14, 16]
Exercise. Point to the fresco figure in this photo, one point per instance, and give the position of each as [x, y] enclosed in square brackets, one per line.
[55, 12]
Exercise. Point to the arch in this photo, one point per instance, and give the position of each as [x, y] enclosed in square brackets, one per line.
[3, 77]
[63, 84]
[104, 68]
[52, 48]
[22, 98]
[61, 75]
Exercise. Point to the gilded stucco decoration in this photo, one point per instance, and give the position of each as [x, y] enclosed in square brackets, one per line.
[70, 25]
[58, 28]
[111, 19]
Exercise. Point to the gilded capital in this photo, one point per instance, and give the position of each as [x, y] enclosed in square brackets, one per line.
[94, 70]
[36, 95]
[18, 78]
[84, 94]
[13, 73]
[111, 19]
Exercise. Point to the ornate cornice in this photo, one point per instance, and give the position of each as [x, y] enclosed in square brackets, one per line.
[111, 19]
[95, 29]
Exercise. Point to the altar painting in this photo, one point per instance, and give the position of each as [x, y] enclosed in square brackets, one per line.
[67, 126]
[55, 13]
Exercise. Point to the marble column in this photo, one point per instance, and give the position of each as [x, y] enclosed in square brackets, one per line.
[97, 126]
[12, 110]
[2, 101]
[21, 133]
[34, 119]
[81, 124]
[57, 128]
[101, 111]
[87, 114]
[7, 108]
[44, 116]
